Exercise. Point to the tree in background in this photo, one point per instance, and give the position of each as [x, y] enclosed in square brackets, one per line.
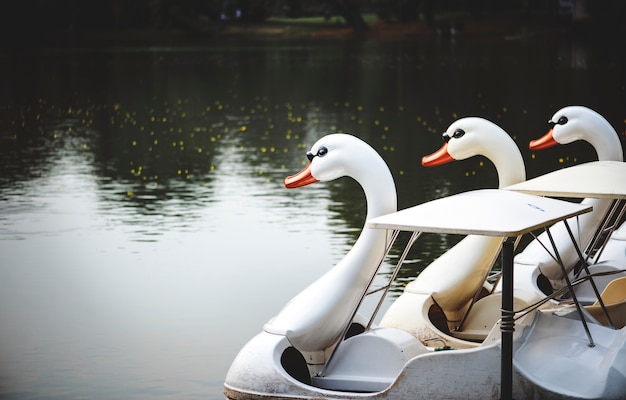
[27, 22]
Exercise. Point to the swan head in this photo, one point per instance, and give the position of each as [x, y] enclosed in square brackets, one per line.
[472, 136]
[573, 123]
[340, 154]
[335, 156]
[465, 138]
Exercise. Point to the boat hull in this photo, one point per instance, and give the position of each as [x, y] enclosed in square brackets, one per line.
[592, 372]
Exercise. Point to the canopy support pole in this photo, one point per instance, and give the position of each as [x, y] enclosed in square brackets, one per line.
[570, 287]
[507, 325]
[586, 268]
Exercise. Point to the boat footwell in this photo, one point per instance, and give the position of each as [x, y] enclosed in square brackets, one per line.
[370, 362]
[556, 357]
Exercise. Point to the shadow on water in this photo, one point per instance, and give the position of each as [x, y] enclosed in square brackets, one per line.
[163, 168]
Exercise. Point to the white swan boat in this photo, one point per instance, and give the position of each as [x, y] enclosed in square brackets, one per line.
[449, 299]
[537, 270]
[319, 347]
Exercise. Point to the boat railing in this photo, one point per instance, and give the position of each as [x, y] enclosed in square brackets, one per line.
[612, 221]
[368, 291]
[557, 294]
[392, 278]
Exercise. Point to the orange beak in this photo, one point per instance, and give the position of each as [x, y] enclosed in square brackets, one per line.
[543, 142]
[302, 178]
[439, 157]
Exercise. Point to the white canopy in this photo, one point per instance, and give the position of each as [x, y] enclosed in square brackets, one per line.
[488, 212]
[597, 179]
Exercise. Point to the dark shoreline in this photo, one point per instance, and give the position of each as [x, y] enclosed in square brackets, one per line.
[500, 27]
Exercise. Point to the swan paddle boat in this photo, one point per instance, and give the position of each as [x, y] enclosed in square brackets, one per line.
[538, 274]
[599, 233]
[456, 298]
[319, 347]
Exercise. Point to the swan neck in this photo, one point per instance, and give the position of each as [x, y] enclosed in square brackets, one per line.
[381, 200]
[604, 139]
[379, 188]
[609, 151]
[509, 165]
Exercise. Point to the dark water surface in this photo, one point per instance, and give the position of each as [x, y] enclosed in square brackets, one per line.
[145, 235]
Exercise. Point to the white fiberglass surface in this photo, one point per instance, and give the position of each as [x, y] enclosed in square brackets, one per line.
[598, 179]
[489, 212]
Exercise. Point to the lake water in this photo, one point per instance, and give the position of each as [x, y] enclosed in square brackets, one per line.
[145, 234]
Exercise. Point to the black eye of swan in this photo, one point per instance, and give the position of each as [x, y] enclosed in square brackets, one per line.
[561, 121]
[458, 133]
[322, 152]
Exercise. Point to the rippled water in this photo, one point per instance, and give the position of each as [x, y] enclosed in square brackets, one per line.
[144, 230]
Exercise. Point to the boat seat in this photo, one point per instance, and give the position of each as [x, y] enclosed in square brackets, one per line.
[484, 315]
[614, 298]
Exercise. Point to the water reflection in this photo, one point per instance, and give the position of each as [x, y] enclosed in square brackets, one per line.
[144, 227]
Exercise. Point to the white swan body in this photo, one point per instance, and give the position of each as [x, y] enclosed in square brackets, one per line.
[570, 124]
[454, 279]
[315, 318]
